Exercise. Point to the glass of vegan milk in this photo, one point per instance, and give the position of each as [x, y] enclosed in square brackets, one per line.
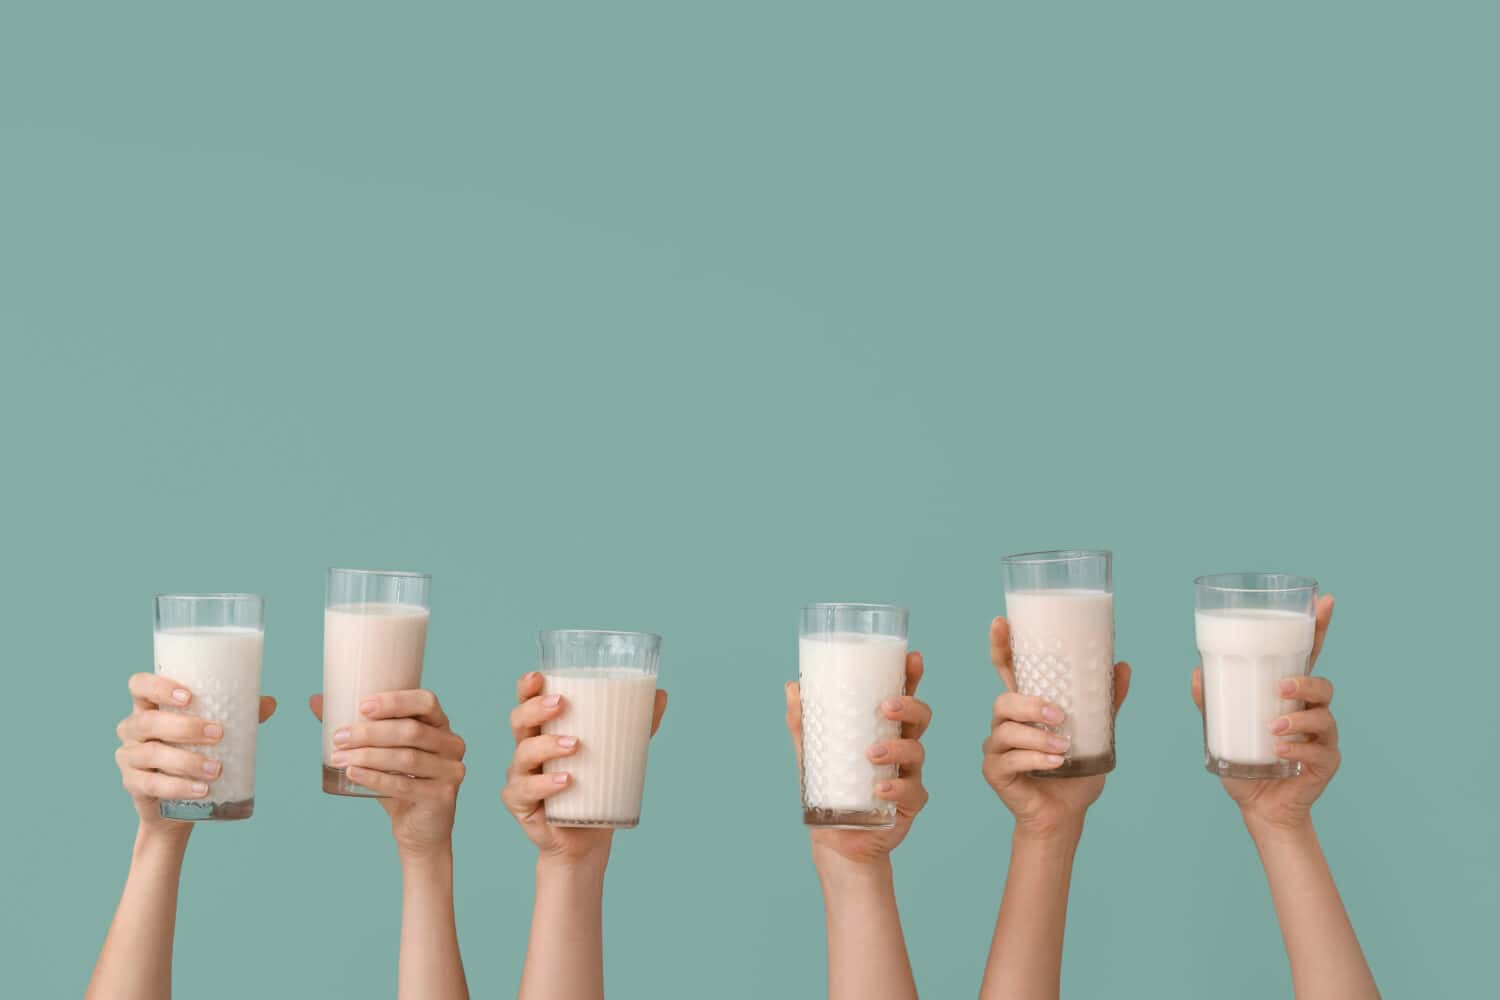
[851, 658]
[212, 643]
[608, 684]
[1061, 610]
[1253, 630]
[374, 634]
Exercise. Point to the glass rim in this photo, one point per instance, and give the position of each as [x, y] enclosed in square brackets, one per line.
[1292, 582]
[228, 596]
[399, 573]
[854, 605]
[1044, 556]
[595, 631]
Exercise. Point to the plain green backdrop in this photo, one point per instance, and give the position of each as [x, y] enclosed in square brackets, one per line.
[675, 316]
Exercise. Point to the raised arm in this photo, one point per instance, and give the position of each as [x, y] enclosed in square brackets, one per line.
[1025, 961]
[867, 958]
[565, 953]
[1326, 960]
[404, 748]
[136, 960]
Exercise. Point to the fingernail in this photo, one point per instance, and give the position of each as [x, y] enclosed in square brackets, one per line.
[181, 696]
[211, 768]
[1058, 743]
[567, 742]
[894, 705]
[342, 736]
[1054, 759]
[878, 750]
[213, 730]
[1288, 686]
[339, 757]
[885, 786]
[369, 707]
[1284, 749]
[552, 700]
[1052, 715]
[199, 788]
[560, 779]
[1281, 725]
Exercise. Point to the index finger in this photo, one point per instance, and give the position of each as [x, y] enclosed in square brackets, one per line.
[914, 670]
[1322, 615]
[1000, 652]
[415, 704]
[528, 687]
[155, 691]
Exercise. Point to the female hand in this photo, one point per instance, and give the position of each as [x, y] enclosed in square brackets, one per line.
[906, 789]
[1042, 806]
[404, 749]
[526, 787]
[1286, 803]
[149, 768]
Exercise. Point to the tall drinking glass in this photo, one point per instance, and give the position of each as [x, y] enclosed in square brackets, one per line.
[1254, 629]
[374, 635]
[1061, 610]
[608, 684]
[851, 658]
[211, 644]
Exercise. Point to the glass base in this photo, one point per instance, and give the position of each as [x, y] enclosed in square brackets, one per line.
[336, 782]
[196, 812]
[1235, 769]
[1080, 767]
[596, 824]
[849, 819]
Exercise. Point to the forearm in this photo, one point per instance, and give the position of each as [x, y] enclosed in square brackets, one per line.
[565, 954]
[136, 960]
[1025, 960]
[867, 957]
[1326, 960]
[430, 965]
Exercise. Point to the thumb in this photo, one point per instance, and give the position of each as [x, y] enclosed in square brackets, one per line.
[1122, 684]
[316, 704]
[1198, 687]
[267, 707]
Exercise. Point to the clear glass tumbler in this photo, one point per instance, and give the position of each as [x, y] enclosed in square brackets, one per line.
[1254, 629]
[851, 658]
[211, 644]
[608, 684]
[1060, 606]
[374, 636]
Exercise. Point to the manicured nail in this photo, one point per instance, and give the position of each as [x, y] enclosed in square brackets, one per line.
[181, 696]
[879, 750]
[211, 768]
[1289, 686]
[342, 736]
[884, 786]
[1281, 725]
[1052, 715]
[1058, 743]
[339, 757]
[1054, 759]
[213, 730]
[369, 707]
[560, 779]
[567, 742]
[894, 705]
[552, 700]
[199, 788]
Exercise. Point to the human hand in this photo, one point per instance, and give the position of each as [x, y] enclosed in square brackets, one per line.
[1286, 803]
[150, 769]
[404, 749]
[1014, 748]
[527, 787]
[905, 790]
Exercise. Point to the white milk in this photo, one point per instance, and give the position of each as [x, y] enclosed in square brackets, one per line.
[221, 667]
[844, 678]
[1063, 644]
[608, 709]
[1246, 652]
[367, 649]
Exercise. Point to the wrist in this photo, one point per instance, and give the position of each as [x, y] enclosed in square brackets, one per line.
[1064, 831]
[584, 868]
[1267, 832]
[164, 836]
[836, 872]
[425, 856]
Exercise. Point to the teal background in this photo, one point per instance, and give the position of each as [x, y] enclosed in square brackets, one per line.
[674, 316]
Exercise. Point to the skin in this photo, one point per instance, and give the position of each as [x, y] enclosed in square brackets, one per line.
[1025, 958]
[404, 748]
[136, 960]
[1326, 960]
[867, 957]
[565, 953]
